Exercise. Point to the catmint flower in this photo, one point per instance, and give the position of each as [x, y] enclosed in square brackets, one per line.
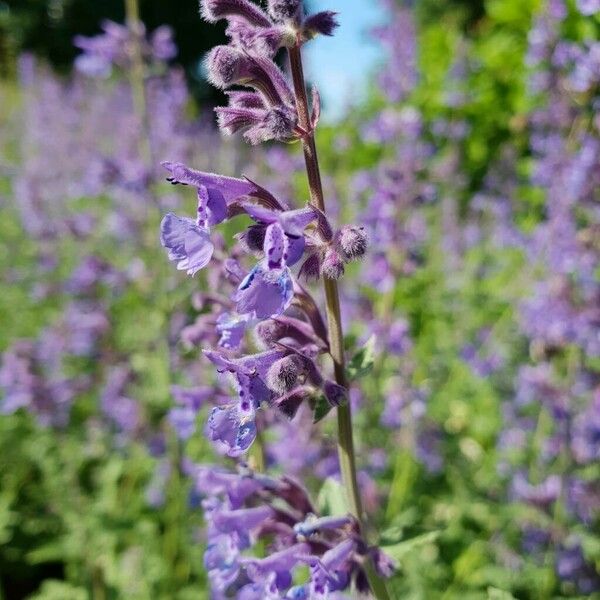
[265, 292]
[285, 10]
[187, 243]
[353, 242]
[189, 402]
[231, 329]
[313, 525]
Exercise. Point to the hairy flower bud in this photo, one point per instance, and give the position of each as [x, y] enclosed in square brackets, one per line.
[290, 402]
[213, 10]
[332, 266]
[283, 374]
[263, 41]
[229, 66]
[353, 242]
[324, 23]
[336, 394]
[285, 10]
[278, 123]
[311, 268]
[224, 65]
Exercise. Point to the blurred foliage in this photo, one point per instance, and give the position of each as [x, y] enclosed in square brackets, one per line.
[47, 28]
[74, 520]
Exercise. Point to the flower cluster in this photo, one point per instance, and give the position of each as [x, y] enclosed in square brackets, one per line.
[286, 373]
[279, 368]
[266, 110]
[115, 46]
[245, 507]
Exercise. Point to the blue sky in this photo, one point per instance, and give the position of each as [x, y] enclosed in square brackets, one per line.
[340, 66]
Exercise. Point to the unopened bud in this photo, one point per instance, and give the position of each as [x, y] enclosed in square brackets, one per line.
[224, 66]
[213, 10]
[336, 394]
[353, 242]
[284, 373]
[324, 23]
[332, 266]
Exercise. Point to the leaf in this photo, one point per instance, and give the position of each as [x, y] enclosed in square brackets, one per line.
[400, 550]
[321, 408]
[59, 590]
[362, 362]
[496, 594]
[332, 498]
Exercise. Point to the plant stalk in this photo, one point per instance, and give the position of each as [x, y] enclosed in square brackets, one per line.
[137, 79]
[345, 441]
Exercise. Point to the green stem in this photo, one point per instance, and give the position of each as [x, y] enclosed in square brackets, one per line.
[137, 79]
[336, 338]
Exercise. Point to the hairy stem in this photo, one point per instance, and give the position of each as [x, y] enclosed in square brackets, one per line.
[336, 337]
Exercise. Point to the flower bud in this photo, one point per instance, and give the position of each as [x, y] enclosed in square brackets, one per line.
[232, 120]
[290, 402]
[353, 242]
[270, 331]
[213, 10]
[332, 266]
[336, 394]
[285, 10]
[311, 268]
[278, 123]
[324, 23]
[283, 374]
[224, 66]
[229, 66]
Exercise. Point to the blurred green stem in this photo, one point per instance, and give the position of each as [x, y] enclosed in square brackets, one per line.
[137, 78]
[336, 337]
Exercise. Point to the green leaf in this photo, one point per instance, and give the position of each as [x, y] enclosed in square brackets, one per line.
[402, 549]
[321, 408]
[496, 594]
[59, 590]
[362, 362]
[332, 498]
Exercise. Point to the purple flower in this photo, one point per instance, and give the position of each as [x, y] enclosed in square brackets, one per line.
[188, 243]
[265, 293]
[231, 329]
[588, 7]
[183, 416]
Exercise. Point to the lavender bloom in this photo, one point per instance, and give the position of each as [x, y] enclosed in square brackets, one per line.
[183, 416]
[285, 520]
[187, 243]
[267, 291]
[586, 433]
[588, 7]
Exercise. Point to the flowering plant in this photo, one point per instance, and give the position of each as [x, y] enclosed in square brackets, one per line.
[270, 300]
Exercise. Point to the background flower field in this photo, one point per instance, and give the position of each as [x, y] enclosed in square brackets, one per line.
[473, 323]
